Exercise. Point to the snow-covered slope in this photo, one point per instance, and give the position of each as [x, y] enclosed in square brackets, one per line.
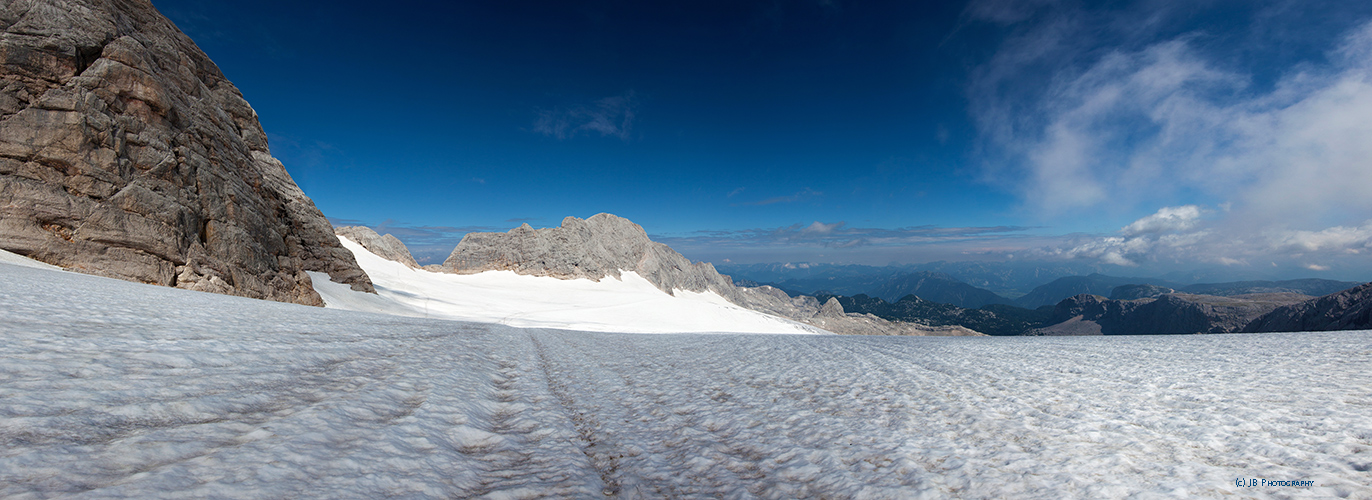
[20, 260]
[110, 389]
[628, 304]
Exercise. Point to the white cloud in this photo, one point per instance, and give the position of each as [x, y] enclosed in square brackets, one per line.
[1109, 112]
[1138, 125]
[609, 117]
[818, 227]
[1166, 219]
[1177, 235]
[1338, 239]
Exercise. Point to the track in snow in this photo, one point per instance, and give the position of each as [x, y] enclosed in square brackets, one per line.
[110, 389]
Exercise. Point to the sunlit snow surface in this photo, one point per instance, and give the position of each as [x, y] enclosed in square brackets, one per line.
[629, 304]
[112, 389]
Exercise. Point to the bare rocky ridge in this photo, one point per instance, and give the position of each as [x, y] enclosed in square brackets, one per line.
[1347, 310]
[124, 152]
[1169, 313]
[595, 248]
[386, 246]
[606, 245]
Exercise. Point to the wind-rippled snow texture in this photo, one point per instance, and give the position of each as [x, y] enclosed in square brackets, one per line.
[113, 389]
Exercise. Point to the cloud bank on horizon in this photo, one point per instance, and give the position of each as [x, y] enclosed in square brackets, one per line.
[1282, 168]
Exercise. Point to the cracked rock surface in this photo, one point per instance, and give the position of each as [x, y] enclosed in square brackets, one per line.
[124, 152]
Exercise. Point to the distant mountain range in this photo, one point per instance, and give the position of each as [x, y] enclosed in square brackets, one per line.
[1094, 284]
[1097, 284]
[993, 319]
[1134, 306]
[1006, 279]
[892, 283]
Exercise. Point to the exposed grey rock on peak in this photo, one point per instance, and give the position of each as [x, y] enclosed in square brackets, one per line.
[1347, 310]
[606, 245]
[385, 246]
[124, 152]
[601, 246]
[831, 309]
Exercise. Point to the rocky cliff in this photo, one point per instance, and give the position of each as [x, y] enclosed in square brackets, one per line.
[595, 248]
[125, 152]
[1347, 310]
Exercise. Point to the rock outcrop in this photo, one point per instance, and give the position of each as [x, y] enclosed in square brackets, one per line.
[1347, 310]
[595, 248]
[125, 152]
[1170, 313]
[606, 245]
[385, 246]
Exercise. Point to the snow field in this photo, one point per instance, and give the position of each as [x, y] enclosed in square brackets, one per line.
[111, 389]
[630, 304]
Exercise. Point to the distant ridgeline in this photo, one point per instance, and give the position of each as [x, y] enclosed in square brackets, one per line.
[603, 246]
[1143, 309]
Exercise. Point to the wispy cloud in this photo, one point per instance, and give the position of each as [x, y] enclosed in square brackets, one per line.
[837, 235]
[801, 195]
[1180, 235]
[1149, 121]
[608, 117]
[1116, 111]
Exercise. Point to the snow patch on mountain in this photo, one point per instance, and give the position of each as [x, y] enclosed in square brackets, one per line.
[629, 304]
[20, 260]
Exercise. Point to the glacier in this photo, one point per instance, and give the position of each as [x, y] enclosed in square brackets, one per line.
[628, 304]
[110, 389]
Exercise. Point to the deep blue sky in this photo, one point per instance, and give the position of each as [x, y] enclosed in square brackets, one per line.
[1146, 134]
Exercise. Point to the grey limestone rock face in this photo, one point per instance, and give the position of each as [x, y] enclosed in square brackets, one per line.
[1347, 310]
[125, 152]
[385, 246]
[595, 248]
[605, 245]
[831, 309]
